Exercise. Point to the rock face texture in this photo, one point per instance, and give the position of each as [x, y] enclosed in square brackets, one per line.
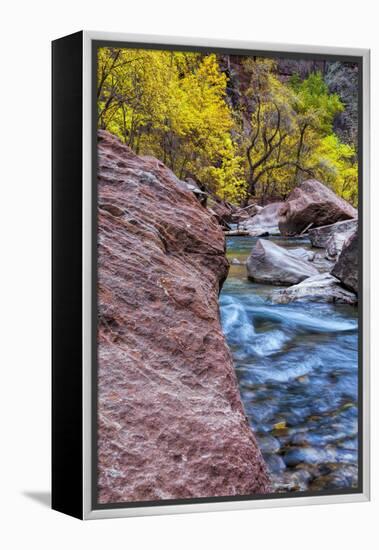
[171, 424]
[346, 268]
[272, 264]
[342, 78]
[312, 204]
[265, 221]
[320, 236]
[332, 237]
[319, 288]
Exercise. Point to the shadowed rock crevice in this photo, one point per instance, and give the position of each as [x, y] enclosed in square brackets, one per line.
[170, 418]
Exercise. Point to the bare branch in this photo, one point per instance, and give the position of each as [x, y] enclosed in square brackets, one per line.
[107, 73]
[277, 166]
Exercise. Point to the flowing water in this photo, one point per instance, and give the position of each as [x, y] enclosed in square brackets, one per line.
[297, 367]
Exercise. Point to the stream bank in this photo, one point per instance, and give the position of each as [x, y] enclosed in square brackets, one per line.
[297, 370]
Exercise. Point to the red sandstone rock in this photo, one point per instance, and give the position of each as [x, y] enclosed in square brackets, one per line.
[171, 421]
[312, 204]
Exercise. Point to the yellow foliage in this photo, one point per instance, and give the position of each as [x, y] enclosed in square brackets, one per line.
[174, 105]
[336, 165]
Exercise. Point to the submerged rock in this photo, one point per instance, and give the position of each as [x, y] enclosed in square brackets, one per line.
[272, 264]
[312, 204]
[337, 476]
[291, 481]
[170, 416]
[268, 444]
[319, 288]
[275, 463]
[264, 222]
[346, 268]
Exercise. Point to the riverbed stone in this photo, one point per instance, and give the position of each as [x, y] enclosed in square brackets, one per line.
[171, 423]
[332, 237]
[289, 481]
[339, 476]
[319, 288]
[269, 263]
[308, 455]
[268, 444]
[275, 463]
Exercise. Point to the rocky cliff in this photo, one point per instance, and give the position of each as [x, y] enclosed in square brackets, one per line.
[171, 422]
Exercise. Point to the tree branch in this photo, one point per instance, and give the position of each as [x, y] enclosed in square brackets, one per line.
[279, 165]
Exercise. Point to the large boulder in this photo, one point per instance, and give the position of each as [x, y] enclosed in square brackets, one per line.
[269, 263]
[332, 237]
[264, 222]
[171, 423]
[319, 288]
[312, 204]
[347, 266]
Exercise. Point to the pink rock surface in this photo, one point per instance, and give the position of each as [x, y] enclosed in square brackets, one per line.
[171, 423]
[312, 204]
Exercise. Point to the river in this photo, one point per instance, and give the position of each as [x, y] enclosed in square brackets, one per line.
[297, 367]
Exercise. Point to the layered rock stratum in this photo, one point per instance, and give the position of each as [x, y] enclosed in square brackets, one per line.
[171, 424]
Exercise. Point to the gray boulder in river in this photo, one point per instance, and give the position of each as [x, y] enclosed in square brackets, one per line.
[332, 237]
[319, 288]
[272, 264]
[346, 268]
[264, 222]
[312, 204]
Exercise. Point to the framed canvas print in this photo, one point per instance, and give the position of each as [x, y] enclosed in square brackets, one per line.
[210, 275]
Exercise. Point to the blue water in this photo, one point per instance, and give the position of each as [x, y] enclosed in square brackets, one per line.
[297, 367]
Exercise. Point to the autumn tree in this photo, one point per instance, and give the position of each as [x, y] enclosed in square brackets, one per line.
[172, 105]
[285, 130]
[241, 135]
[315, 110]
